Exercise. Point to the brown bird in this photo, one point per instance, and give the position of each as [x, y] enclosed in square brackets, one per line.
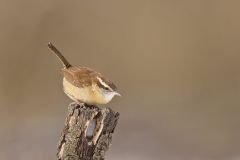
[83, 84]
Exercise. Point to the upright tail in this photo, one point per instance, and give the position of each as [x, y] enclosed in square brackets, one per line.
[64, 61]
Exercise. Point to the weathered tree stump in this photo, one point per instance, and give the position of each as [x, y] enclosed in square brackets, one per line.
[87, 133]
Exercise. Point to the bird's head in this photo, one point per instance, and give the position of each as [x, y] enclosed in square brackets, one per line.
[107, 89]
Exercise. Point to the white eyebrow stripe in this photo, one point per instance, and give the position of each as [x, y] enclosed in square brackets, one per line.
[103, 83]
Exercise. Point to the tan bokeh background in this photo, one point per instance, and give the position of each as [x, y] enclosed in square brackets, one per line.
[176, 63]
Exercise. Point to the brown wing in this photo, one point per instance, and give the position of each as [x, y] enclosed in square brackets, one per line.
[83, 76]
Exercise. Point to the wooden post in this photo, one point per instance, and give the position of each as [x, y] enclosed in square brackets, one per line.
[87, 132]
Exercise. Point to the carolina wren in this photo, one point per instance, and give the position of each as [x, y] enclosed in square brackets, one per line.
[83, 84]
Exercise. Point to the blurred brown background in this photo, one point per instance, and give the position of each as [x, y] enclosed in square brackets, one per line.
[176, 63]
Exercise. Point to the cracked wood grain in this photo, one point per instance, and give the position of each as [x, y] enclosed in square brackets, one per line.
[87, 132]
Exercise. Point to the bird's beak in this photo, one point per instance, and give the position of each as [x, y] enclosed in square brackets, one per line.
[118, 94]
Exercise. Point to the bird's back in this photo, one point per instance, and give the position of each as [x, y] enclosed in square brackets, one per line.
[84, 76]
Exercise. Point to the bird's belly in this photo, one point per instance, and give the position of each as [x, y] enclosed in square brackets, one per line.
[85, 95]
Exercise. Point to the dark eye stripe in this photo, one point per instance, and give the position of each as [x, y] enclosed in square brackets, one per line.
[102, 86]
[106, 88]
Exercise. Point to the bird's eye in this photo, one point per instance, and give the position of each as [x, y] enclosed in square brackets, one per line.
[106, 88]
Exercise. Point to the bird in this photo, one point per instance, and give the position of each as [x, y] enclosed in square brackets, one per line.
[83, 84]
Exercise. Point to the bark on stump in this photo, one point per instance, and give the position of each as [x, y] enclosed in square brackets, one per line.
[87, 133]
